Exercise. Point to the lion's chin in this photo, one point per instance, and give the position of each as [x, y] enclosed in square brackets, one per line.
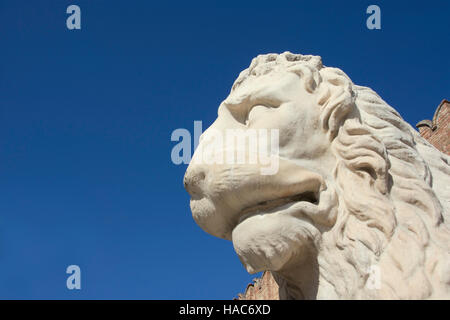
[273, 241]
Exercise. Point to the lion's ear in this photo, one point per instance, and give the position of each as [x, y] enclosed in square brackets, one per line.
[376, 175]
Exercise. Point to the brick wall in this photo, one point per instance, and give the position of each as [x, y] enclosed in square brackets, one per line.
[437, 131]
[264, 288]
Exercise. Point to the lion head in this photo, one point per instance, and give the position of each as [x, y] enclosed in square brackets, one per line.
[357, 193]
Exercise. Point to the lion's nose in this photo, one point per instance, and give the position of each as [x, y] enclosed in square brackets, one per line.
[194, 180]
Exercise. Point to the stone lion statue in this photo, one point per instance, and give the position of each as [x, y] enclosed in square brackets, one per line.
[359, 206]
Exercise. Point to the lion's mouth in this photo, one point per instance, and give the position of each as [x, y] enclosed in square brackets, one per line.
[226, 197]
[268, 206]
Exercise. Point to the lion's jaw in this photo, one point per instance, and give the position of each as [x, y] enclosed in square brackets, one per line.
[283, 237]
[287, 241]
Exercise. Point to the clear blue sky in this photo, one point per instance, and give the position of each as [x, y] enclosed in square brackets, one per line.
[86, 117]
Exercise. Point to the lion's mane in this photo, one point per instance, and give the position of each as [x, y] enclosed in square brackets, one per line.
[391, 184]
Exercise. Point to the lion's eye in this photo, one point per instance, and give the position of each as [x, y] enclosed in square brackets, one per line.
[257, 111]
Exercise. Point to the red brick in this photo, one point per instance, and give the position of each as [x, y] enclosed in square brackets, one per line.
[437, 131]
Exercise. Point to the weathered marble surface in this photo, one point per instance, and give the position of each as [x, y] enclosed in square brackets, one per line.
[360, 205]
